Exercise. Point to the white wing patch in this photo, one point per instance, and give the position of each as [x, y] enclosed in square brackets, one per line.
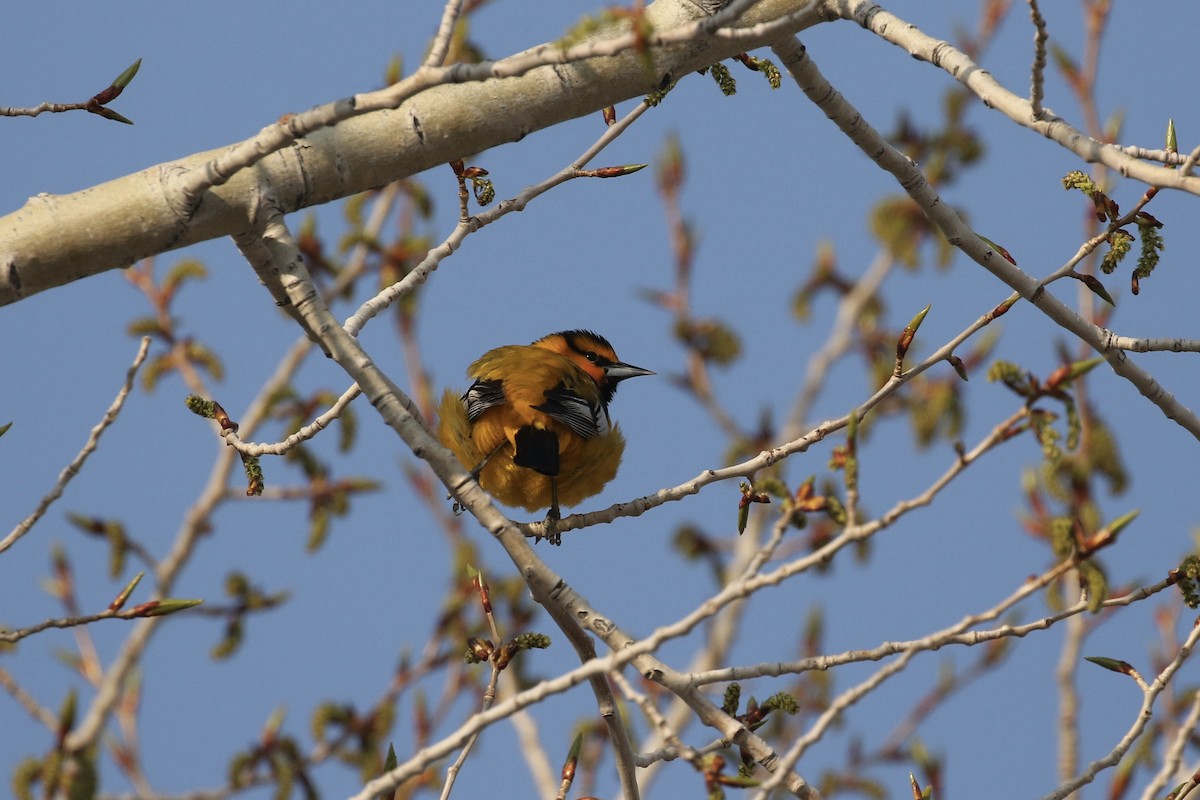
[585, 418]
[483, 395]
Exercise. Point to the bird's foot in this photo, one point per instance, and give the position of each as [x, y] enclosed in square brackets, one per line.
[550, 532]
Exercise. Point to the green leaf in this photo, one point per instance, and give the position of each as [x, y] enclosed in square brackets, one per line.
[576, 748]
[1118, 524]
[126, 77]
[108, 113]
[1081, 368]
[1097, 288]
[916, 321]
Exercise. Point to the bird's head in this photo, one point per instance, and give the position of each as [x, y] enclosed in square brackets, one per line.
[592, 353]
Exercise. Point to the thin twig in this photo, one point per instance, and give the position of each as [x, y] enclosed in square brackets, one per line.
[983, 84]
[89, 447]
[71, 622]
[1038, 87]
[1174, 754]
[1141, 720]
[851, 121]
[489, 697]
[27, 702]
[420, 273]
[838, 341]
[1068, 697]
[855, 693]
[445, 32]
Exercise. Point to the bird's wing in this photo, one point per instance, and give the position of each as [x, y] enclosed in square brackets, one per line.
[585, 417]
[483, 395]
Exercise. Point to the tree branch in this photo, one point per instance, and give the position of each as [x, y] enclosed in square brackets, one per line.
[89, 447]
[814, 85]
[302, 161]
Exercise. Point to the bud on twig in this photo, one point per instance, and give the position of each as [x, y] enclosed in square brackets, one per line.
[907, 336]
[119, 602]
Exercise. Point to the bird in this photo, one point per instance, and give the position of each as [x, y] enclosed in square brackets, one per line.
[534, 427]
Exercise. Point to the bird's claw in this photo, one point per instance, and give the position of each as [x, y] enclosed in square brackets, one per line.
[550, 527]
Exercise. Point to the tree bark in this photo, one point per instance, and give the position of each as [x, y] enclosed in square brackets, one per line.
[56, 239]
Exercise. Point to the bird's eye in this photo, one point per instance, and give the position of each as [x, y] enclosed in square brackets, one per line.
[591, 356]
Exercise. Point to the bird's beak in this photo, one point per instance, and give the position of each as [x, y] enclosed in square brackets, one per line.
[619, 371]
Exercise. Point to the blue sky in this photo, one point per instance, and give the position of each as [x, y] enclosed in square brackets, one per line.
[769, 178]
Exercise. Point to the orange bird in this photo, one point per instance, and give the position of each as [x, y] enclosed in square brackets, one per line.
[534, 427]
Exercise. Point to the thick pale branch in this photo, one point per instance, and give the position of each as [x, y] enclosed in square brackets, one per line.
[57, 239]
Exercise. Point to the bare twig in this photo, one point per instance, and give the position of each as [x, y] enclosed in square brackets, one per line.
[1038, 83]
[979, 81]
[1141, 720]
[89, 447]
[1173, 758]
[445, 32]
[851, 121]
[27, 702]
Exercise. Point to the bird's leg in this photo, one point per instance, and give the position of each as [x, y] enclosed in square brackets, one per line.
[457, 508]
[553, 516]
[478, 469]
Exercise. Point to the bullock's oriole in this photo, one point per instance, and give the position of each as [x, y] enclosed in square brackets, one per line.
[534, 427]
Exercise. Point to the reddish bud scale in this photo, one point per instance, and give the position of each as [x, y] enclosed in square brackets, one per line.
[484, 596]
[998, 248]
[107, 95]
[1014, 430]
[1002, 309]
[1057, 377]
[480, 649]
[119, 601]
[712, 773]
[837, 459]
[753, 497]
[609, 172]
[505, 655]
[223, 419]
[747, 61]
[814, 504]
